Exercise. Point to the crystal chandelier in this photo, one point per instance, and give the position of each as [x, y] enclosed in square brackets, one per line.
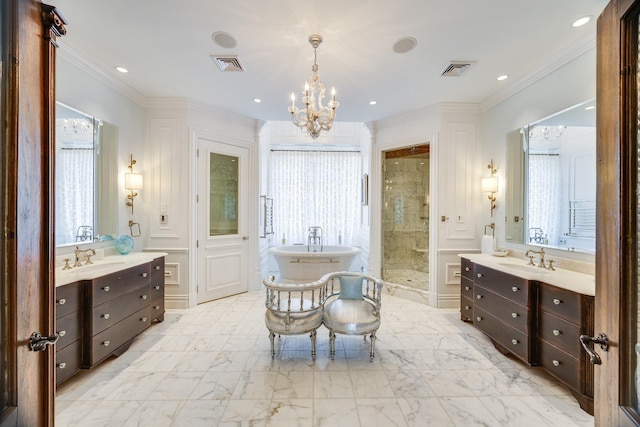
[315, 117]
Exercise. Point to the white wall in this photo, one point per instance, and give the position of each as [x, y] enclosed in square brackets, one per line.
[569, 85]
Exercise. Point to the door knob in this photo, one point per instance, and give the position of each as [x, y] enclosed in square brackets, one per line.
[601, 339]
[39, 343]
[245, 237]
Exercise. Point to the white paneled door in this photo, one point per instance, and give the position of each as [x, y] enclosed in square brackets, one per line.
[222, 245]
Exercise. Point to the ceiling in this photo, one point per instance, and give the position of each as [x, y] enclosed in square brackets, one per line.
[166, 46]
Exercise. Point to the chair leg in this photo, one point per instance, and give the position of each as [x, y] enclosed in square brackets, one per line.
[272, 337]
[332, 344]
[313, 344]
[373, 346]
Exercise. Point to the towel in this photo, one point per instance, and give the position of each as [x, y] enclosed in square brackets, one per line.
[488, 245]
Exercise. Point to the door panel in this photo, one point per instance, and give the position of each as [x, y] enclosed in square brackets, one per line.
[617, 256]
[29, 32]
[222, 219]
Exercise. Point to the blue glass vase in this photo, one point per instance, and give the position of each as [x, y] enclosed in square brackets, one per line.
[124, 244]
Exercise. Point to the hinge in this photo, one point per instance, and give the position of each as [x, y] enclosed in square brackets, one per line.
[384, 168]
[197, 199]
[197, 243]
[197, 152]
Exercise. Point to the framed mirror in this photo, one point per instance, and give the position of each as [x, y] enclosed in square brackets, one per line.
[86, 177]
[551, 171]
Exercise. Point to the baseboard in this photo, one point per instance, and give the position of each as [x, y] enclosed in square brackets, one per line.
[176, 301]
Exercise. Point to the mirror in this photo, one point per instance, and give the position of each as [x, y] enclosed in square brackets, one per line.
[86, 177]
[551, 173]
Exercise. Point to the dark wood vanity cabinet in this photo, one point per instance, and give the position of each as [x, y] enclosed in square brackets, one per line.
[101, 317]
[539, 323]
[564, 316]
[502, 309]
[69, 328]
[119, 306]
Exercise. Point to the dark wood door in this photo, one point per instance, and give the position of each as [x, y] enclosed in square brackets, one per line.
[618, 214]
[27, 378]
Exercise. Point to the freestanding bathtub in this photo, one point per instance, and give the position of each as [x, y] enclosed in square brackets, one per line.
[297, 264]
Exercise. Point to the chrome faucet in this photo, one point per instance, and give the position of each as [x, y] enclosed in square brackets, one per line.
[541, 253]
[88, 254]
[315, 238]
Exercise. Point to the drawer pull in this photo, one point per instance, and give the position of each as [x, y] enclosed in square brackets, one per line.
[478, 318]
[156, 307]
[556, 332]
[143, 297]
[144, 274]
[467, 307]
[556, 363]
[514, 315]
[62, 301]
[467, 269]
[467, 288]
[157, 267]
[514, 341]
[515, 289]
[62, 333]
[106, 343]
[62, 365]
[478, 296]
[106, 289]
[480, 275]
[557, 301]
[105, 316]
[156, 287]
[143, 319]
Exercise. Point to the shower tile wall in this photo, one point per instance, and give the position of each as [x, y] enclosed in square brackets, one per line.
[406, 214]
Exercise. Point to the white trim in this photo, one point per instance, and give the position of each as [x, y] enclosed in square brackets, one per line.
[176, 302]
[169, 250]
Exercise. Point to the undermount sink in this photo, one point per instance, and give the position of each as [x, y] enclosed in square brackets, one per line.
[527, 268]
[100, 266]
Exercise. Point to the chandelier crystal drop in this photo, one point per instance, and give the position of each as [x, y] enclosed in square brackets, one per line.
[314, 117]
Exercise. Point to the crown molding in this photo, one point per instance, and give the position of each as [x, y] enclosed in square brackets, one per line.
[74, 57]
[558, 61]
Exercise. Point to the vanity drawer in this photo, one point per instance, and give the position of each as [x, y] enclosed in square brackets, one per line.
[510, 338]
[561, 302]
[512, 287]
[157, 272]
[466, 268]
[68, 298]
[561, 365]
[560, 333]
[69, 328]
[466, 288]
[113, 285]
[111, 312]
[68, 361]
[108, 341]
[157, 309]
[515, 315]
[466, 309]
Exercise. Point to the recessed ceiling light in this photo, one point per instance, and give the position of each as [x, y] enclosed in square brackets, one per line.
[373, 102]
[503, 77]
[257, 100]
[223, 39]
[404, 45]
[581, 21]
[122, 69]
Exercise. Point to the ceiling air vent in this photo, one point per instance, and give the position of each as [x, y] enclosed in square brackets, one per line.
[227, 63]
[457, 68]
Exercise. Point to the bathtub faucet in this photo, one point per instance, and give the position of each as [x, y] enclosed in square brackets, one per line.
[315, 239]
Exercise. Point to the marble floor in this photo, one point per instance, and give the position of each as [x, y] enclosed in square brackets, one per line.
[210, 366]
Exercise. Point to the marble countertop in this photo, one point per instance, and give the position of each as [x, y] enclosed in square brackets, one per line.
[107, 265]
[571, 280]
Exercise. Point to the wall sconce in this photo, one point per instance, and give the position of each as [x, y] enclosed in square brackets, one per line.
[132, 182]
[490, 185]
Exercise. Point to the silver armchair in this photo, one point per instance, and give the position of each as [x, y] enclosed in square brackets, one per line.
[294, 309]
[352, 307]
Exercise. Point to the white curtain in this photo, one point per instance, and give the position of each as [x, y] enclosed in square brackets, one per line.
[74, 193]
[315, 188]
[544, 196]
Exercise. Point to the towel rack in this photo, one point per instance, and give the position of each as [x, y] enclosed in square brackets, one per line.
[492, 226]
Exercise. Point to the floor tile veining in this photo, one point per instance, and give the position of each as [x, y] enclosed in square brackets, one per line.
[211, 366]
